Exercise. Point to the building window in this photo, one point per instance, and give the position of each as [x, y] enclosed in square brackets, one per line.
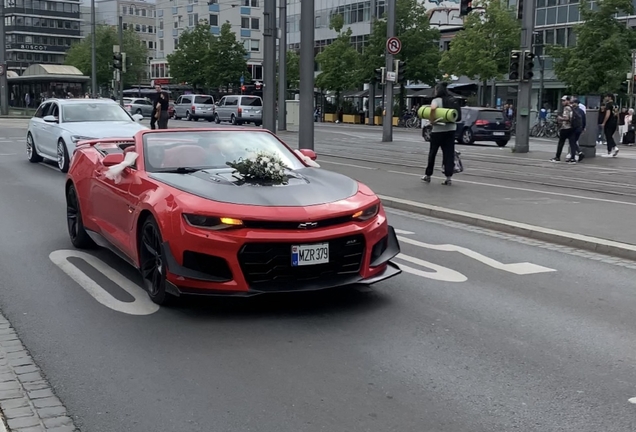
[160, 44]
[125, 26]
[150, 45]
[131, 11]
[137, 27]
[252, 3]
[143, 12]
[143, 28]
[160, 24]
[256, 71]
[193, 19]
[151, 29]
[214, 20]
[123, 10]
[175, 23]
[255, 23]
[176, 43]
[245, 23]
[255, 45]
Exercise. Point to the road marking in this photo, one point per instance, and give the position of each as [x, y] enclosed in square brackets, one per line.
[7, 154]
[142, 305]
[49, 166]
[349, 165]
[523, 268]
[439, 273]
[632, 400]
[567, 195]
[399, 231]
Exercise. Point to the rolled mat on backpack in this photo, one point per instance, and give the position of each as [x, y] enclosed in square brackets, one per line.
[447, 115]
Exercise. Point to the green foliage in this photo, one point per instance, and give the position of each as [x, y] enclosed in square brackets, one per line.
[601, 58]
[482, 49]
[292, 67]
[105, 37]
[339, 61]
[420, 46]
[204, 60]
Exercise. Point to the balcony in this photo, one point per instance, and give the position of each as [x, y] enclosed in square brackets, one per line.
[40, 12]
[43, 30]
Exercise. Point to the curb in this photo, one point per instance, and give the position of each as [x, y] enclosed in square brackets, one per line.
[593, 244]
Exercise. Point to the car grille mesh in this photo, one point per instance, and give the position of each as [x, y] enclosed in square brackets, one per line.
[270, 263]
[271, 225]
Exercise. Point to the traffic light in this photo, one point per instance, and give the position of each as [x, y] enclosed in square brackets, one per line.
[528, 65]
[380, 75]
[538, 38]
[117, 61]
[400, 70]
[515, 65]
[465, 7]
[242, 89]
[520, 9]
[123, 62]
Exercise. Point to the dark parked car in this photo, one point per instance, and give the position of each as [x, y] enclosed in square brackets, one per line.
[479, 124]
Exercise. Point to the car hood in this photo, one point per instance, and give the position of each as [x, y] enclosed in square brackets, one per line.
[113, 129]
[307, 187]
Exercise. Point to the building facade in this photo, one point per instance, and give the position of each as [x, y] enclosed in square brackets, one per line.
[39, 31]
[138, 15]
[176, 16]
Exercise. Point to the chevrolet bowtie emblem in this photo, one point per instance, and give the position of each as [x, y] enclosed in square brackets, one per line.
[308, 225]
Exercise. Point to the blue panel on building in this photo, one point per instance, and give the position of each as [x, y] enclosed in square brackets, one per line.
[160, 33]
[215, 30]
[189, 8]
[245, 10]
[175, 10]
[214, 7]
[246, 33]
[175, 32]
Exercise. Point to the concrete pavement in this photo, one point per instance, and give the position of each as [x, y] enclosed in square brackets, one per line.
[482, 332]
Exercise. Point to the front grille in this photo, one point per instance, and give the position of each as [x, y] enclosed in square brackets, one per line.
[264, 263]
[272, 225]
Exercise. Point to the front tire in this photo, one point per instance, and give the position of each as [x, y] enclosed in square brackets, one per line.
[63, 162]
[76, 231]
[467, 136]
[152, 262]
[502, 143]
[188, 116]
[217, 120]
[32, 152]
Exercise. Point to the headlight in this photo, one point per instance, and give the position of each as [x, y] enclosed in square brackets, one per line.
[78, 138]
[367, 213]
[212, 222]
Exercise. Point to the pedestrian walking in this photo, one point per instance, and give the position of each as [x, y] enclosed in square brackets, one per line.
[610, 122]
[579, 122]
[154, 99]
[566, 132]
[630, 122]
[442, 135]
[600, 137]
[162, 111]
[622, 125]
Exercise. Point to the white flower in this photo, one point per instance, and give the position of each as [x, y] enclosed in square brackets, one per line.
[277, 166]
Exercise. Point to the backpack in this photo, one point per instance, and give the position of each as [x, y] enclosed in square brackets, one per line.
[452, 102]
[577, 120]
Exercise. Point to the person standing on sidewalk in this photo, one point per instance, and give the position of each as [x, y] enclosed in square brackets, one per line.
[600, 138]
[154, 99]
[610, 122]
[622, 126]
[578, 123]
[566, 132]
[442, 135]
[162, 111]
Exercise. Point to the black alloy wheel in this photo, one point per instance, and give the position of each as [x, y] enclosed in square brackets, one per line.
[153, 266]
[76, 231]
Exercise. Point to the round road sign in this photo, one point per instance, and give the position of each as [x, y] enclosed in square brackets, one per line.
[393, 45]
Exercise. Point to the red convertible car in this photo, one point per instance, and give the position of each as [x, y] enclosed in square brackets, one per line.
[226, 212]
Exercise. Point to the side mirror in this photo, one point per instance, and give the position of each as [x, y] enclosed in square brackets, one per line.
[138, 117]
[309, 153]
[113, 159]
[50, 119]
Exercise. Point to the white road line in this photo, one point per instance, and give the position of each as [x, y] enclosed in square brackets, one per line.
[399, 231]
[567, 195]
[523, 268]
[8, 154]
[439, 273]
[142, 305]
[349, 165]
[632, 400]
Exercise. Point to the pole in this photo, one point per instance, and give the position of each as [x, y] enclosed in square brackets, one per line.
[306, 126]
[282, 66]
[541, 83]
[522, 138]
[4, 84]
[93, 51]
[372, 84]
[121, 49]
[269, 66]
[387, 124]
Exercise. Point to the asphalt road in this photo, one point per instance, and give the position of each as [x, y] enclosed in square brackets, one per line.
[483, 332]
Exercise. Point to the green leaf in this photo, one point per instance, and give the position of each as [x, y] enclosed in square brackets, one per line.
[79, 55]
[482, 50]
[601, 58]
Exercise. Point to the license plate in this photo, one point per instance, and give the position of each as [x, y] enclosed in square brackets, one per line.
[303, 255]
[498, 133]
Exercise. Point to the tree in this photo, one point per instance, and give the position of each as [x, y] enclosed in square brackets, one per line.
[482, 50]
[228, 57]
[601, 58]
[79, 55]
[420, 46]
[339, 62]
[293, 70]
[191, 61]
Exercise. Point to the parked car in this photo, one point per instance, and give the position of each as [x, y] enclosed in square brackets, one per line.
[479, 124]
[240, 109]
[141, 106]
[193, 107]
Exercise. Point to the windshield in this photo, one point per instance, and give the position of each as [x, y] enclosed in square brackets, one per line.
[93, 112]
[204, 100]
[251, 101]
[210, 149]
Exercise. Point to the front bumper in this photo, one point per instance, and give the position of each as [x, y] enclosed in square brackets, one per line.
[377, 245]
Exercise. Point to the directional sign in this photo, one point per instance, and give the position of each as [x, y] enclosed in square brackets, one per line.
[393, 45]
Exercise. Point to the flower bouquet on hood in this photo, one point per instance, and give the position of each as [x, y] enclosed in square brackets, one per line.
[261, 168]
